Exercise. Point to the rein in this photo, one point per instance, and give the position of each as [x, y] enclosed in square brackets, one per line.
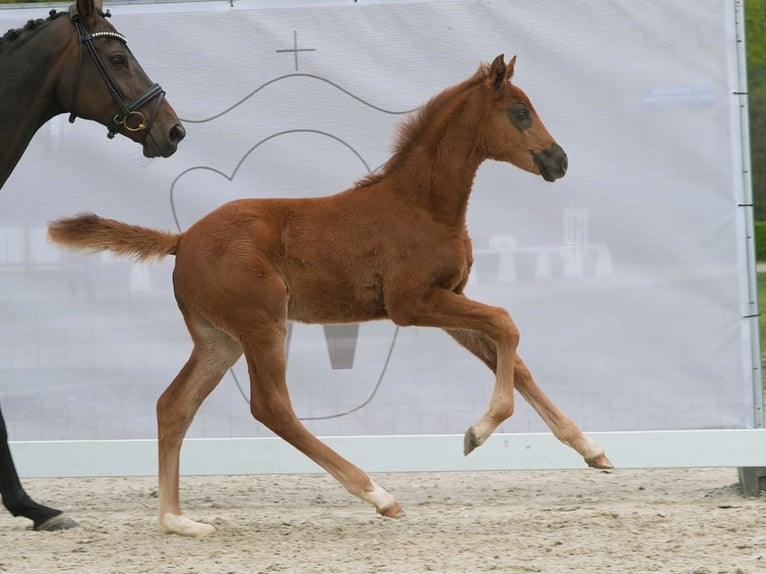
[129, 116]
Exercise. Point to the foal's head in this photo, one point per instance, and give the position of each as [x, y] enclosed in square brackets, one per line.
[513, 131]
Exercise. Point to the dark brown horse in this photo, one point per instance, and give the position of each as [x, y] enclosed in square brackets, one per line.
[73, 62]
[395, 246]
[76, 62]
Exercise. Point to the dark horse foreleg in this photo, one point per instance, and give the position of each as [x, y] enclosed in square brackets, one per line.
[15, 498]
[562, 426]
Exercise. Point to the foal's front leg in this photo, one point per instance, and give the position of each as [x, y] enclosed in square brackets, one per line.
[562, 426]
[453, 311]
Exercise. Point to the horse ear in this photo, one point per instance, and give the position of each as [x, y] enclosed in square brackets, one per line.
[88, 8]
[509, 68]
[497, 72]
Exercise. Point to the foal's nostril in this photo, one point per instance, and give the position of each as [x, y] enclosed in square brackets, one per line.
[557, 159]
[177, 133]
[552, 162]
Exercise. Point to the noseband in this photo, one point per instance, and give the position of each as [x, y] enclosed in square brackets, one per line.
[129, 117]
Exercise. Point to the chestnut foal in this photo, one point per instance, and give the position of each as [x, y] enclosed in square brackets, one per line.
[395, 246]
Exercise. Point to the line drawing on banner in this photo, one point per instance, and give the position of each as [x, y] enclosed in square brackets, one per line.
[299, 75]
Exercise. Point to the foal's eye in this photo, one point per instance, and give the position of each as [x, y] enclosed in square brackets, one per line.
[520, 116]
[521, 113]
[118, 60]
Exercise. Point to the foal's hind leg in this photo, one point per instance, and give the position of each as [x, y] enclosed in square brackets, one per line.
[562, 426]
[270, 404]
[213, 354]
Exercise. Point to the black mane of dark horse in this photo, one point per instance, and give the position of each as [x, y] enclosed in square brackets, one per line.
[33, 24]
[14, 33]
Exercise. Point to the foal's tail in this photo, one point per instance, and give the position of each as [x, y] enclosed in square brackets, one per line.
[89, 232]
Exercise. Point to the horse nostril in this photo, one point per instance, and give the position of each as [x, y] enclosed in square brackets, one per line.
[552, 162]
[177, 133]
[558, 157]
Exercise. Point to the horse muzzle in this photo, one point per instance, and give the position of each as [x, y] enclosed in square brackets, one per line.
[551, 162]
[163, 144]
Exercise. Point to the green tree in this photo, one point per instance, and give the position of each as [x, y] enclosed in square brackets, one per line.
[755, 24]
[755, 29]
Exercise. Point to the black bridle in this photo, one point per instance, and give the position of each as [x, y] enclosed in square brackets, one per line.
[129, 116]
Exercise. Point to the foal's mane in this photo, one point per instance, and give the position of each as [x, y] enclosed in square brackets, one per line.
[434, 112]
[31, 25]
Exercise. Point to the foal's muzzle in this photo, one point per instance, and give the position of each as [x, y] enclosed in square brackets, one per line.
[551, 162]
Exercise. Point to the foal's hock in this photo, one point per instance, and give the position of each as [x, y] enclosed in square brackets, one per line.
[394, 246]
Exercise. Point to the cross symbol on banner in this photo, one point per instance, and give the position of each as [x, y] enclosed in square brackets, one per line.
[295, 49]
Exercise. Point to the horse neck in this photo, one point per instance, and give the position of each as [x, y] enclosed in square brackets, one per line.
[29, 66]
[439, 170]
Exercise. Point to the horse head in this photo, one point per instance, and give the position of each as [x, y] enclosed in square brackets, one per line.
[108, 85]
[514, 132]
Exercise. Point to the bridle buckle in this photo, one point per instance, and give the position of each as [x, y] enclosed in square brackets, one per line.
[139, 120]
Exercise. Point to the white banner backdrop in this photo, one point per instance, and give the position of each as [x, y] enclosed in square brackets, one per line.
[628, 278]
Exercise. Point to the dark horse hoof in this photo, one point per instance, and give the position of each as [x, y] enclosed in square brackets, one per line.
[58, 522]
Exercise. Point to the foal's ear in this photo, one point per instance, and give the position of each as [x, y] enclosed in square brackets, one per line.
[499, 73]
[509, 68]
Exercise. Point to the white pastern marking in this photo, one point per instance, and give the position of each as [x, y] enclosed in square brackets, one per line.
[184, 526]
[379, 497]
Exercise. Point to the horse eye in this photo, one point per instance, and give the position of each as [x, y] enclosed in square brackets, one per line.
[520, 116]
[118, 60]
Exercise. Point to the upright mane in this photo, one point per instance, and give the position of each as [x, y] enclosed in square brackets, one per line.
[412, 128]
[31, 25]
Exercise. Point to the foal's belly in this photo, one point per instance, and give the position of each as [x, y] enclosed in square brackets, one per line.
[334, 302]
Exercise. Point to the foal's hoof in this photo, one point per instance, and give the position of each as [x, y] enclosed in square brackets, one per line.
[393, 511]
[58, 522]
[184, 526]
[600, 461]
[470, 441]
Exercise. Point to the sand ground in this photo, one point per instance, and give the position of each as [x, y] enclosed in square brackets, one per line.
[691, 521]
